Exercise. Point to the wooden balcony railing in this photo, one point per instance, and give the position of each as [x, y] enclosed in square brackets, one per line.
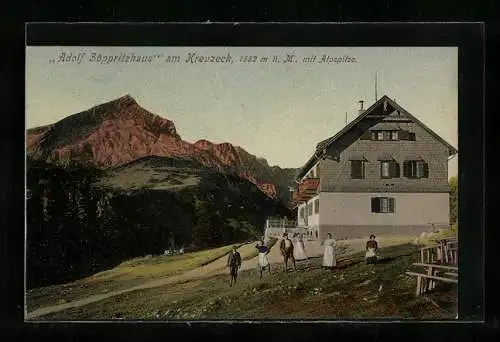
[306, 189]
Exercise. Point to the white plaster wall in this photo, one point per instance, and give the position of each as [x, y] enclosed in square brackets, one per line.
[337, 208]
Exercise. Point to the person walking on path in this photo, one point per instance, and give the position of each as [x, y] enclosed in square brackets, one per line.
[263, 260]
[371, 250]
[234, 264]
[286, 249]
[329, 260]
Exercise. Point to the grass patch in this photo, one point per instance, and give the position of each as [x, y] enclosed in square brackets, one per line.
[128, 274]
[353, 290]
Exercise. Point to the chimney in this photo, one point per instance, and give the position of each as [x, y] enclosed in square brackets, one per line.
[361, 110]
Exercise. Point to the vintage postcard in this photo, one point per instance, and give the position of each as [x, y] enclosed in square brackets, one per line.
[241, 183]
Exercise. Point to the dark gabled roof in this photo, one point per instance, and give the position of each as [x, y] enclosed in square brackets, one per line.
[323, 145]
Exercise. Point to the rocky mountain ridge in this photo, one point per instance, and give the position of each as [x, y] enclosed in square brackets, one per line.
[120, 131]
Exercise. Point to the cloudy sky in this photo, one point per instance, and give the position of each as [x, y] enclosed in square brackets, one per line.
[278, 111]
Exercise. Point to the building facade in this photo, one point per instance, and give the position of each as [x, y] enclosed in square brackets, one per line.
[384, 173]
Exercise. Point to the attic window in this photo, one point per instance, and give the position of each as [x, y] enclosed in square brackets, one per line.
[385, 135]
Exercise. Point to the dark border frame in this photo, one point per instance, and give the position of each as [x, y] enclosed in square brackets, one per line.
[468, 37]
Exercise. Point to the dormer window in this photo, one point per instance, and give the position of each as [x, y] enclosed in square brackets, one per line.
[384, 135]
[388, 135]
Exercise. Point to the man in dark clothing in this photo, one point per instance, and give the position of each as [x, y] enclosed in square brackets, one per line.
[286, 248]
[234, 263]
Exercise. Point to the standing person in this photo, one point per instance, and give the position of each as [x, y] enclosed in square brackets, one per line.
[286, 249]
[234, 264]
[329, 260]
[299, 250]
[263, 260]
[371, 250]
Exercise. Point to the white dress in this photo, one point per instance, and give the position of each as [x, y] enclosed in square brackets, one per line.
[329, 254]
[299, 252]
[263, 260]
[370, 253]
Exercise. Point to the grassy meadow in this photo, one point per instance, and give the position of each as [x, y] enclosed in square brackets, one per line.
[354, 290]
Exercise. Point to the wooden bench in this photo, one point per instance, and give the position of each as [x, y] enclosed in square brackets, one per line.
[445, 245]
[427, 281]
[452, 255]
[431, 254]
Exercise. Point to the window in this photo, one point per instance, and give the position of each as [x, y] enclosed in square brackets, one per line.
[386, 135]
[406, 135]
[357, 169]
[309, 209]
[384, 169]
[415, 169]
[389, 169]
[301, 212]
[316, 206]
[383, 205]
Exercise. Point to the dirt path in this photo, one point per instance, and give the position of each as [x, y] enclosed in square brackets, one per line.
[313, 249]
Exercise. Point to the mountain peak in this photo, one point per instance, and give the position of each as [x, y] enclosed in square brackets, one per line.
[203, 144]
[126, 100]
[119, 104]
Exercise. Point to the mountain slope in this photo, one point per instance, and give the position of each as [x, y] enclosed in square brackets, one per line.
[83, 220]
[121, 131]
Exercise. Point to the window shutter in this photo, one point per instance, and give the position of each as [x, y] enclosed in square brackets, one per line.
[404, 135]
[406, 169]
[366, 136]
[375, 205]
[392, 169]
[356, 169]
[426, 170]
[391, 205]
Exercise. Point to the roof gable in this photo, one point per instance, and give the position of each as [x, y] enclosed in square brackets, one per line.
[382, 108]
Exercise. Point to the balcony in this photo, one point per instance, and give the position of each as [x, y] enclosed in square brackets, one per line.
[306, 190]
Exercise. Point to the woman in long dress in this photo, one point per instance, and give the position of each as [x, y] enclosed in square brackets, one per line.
[263, 260]
[329, 260]
[371, 250]
[300, 251]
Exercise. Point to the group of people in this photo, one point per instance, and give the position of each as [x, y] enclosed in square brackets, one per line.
[295, 251]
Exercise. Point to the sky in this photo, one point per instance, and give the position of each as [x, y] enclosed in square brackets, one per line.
[275, 110]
